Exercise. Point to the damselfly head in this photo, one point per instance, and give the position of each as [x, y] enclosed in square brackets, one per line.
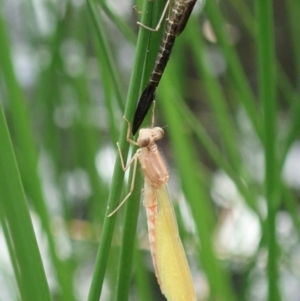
[149, 136]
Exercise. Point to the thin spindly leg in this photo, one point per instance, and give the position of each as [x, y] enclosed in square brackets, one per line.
[128, 133]
[135, 160]
[159, 22]
[122, 160]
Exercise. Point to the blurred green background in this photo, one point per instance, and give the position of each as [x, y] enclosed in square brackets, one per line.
[229, 103]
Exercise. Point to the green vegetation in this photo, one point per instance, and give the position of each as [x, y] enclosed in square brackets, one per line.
[230, 106]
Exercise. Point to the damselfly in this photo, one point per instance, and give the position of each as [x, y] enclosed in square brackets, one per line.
[179, 13]
[169, 260]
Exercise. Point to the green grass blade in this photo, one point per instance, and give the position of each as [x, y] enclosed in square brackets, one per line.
[13, 203]
[267, 86]
[121, 24]
[64, 76]
[130, 221]
[144, 287]
[13, 256]
[293, 11]
[106, 57]
[236, 71]
[291, 96]
[27, 156]
[117, 181]
[127, 245]
[216, 97]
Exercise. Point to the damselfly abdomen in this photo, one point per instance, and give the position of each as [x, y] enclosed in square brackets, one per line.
[179, 14]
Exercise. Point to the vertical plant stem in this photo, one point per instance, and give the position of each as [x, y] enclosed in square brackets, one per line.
[266, 63]
[235, 67]
[118, 176]
[27, 156]
[131, 213]
[34, 285]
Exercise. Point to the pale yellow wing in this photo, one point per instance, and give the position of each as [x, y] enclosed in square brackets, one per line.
[171, 264]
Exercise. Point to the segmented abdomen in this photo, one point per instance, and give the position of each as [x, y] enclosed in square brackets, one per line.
[167, 43]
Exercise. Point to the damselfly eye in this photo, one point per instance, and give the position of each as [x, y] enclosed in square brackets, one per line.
[158, 133]
[143, 141]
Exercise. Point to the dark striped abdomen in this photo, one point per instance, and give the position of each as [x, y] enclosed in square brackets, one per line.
[167, 43]
[175, 24]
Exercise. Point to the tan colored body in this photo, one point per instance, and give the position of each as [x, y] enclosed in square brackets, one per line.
[170, 263]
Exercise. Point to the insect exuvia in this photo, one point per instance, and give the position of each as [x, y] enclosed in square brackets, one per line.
[179, 13]
[169, 260]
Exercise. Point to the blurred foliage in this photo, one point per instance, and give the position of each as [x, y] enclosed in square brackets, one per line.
[229, 101]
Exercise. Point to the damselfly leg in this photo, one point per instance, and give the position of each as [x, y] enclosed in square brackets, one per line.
[160, 20]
